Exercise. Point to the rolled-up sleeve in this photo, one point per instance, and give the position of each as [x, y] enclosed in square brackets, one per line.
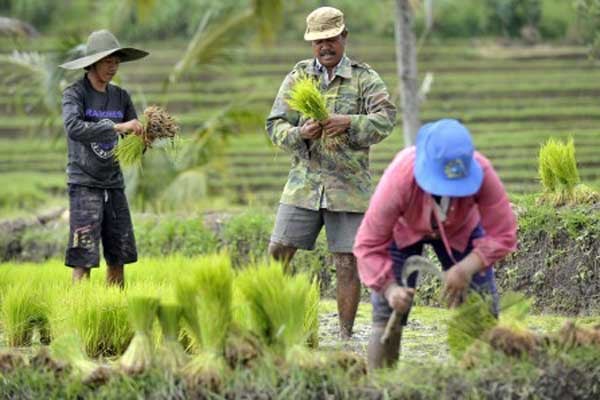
[77, 128]
[380, 113]
[282, 122]
[497, 218]
[371, 246]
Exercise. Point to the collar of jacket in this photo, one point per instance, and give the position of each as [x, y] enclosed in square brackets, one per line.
[343, 69]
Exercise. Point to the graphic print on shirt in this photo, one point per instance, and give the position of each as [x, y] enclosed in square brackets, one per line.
[104, 150]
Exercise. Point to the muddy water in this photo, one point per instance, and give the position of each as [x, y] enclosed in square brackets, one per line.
[424, 336]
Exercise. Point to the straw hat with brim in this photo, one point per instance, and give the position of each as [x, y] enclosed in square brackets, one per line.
[445, 163]
[102, 44]
[324, 23]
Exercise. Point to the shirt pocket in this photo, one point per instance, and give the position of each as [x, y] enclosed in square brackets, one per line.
[348, 101]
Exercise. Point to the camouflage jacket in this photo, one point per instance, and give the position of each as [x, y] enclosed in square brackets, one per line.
[340, 174]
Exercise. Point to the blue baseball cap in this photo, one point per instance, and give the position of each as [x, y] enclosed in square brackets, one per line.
[444, 164]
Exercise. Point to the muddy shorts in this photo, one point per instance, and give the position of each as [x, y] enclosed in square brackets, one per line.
[300, 227]
[483, 283]
[99, 214]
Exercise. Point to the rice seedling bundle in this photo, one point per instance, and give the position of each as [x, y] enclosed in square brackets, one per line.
[129, 151]
[213, 280]
[186, 294]
[306, 98]
[139, 354]
[559, 175]
[277, 304]
[25, 307]
[171, 354]
[98, 314]
[68, 349]
[158, 125]
[468, 323]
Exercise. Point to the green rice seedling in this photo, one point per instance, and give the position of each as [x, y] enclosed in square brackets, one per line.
[25, 307]
[213, 280]
[311, 320]
[186, 294]
[158, 125]
[68, 349]
[468, 323]
[98, 314]
[277, 304]
[139, 355]
[171, 355]
[559, 175]
[307, 99]
[129, 150]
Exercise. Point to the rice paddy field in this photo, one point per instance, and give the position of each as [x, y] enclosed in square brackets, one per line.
[194, 326]
[512, 99]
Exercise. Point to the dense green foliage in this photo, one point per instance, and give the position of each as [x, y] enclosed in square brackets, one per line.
[169, 18]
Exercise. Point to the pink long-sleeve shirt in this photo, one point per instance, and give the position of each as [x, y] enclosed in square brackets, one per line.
[401, 211]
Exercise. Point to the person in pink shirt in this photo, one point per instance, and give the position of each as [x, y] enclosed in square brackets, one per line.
[443, 193]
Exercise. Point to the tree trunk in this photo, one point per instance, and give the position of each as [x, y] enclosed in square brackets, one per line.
[406, 61]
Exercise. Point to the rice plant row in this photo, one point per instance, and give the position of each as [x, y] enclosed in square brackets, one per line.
[195, 316]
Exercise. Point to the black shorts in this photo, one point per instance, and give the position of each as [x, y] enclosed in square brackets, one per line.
[99, 214]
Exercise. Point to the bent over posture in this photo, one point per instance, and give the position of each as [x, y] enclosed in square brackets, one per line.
[443, 193]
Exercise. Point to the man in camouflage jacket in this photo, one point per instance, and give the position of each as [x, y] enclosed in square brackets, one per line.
[329, 182]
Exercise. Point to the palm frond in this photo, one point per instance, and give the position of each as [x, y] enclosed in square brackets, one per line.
[185, 190]
[268, 17]
[210, 41]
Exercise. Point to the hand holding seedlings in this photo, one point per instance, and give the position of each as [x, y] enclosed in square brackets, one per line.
[336, 125]
[133, 125]
[457, 279]
[311, 130]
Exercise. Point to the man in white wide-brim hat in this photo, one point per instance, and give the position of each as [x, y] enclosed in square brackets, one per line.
[95, 113]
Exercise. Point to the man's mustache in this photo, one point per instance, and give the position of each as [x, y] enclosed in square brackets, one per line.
[327, 53]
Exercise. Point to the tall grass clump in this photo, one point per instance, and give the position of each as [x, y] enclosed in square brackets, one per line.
[278, 305]
[158, 126]
[25, 308]
[139, 354]
[558, 173]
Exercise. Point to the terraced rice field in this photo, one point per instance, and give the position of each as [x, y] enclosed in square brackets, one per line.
[511, 99]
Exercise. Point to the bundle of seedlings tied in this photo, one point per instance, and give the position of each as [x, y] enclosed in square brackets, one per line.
[158, 125]
[307, 99]
[560, 177]
[171, 354]
[475, 335]
[282, 311]
[23, 312]
[139, 355]
[68, 349]
[212, 297]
